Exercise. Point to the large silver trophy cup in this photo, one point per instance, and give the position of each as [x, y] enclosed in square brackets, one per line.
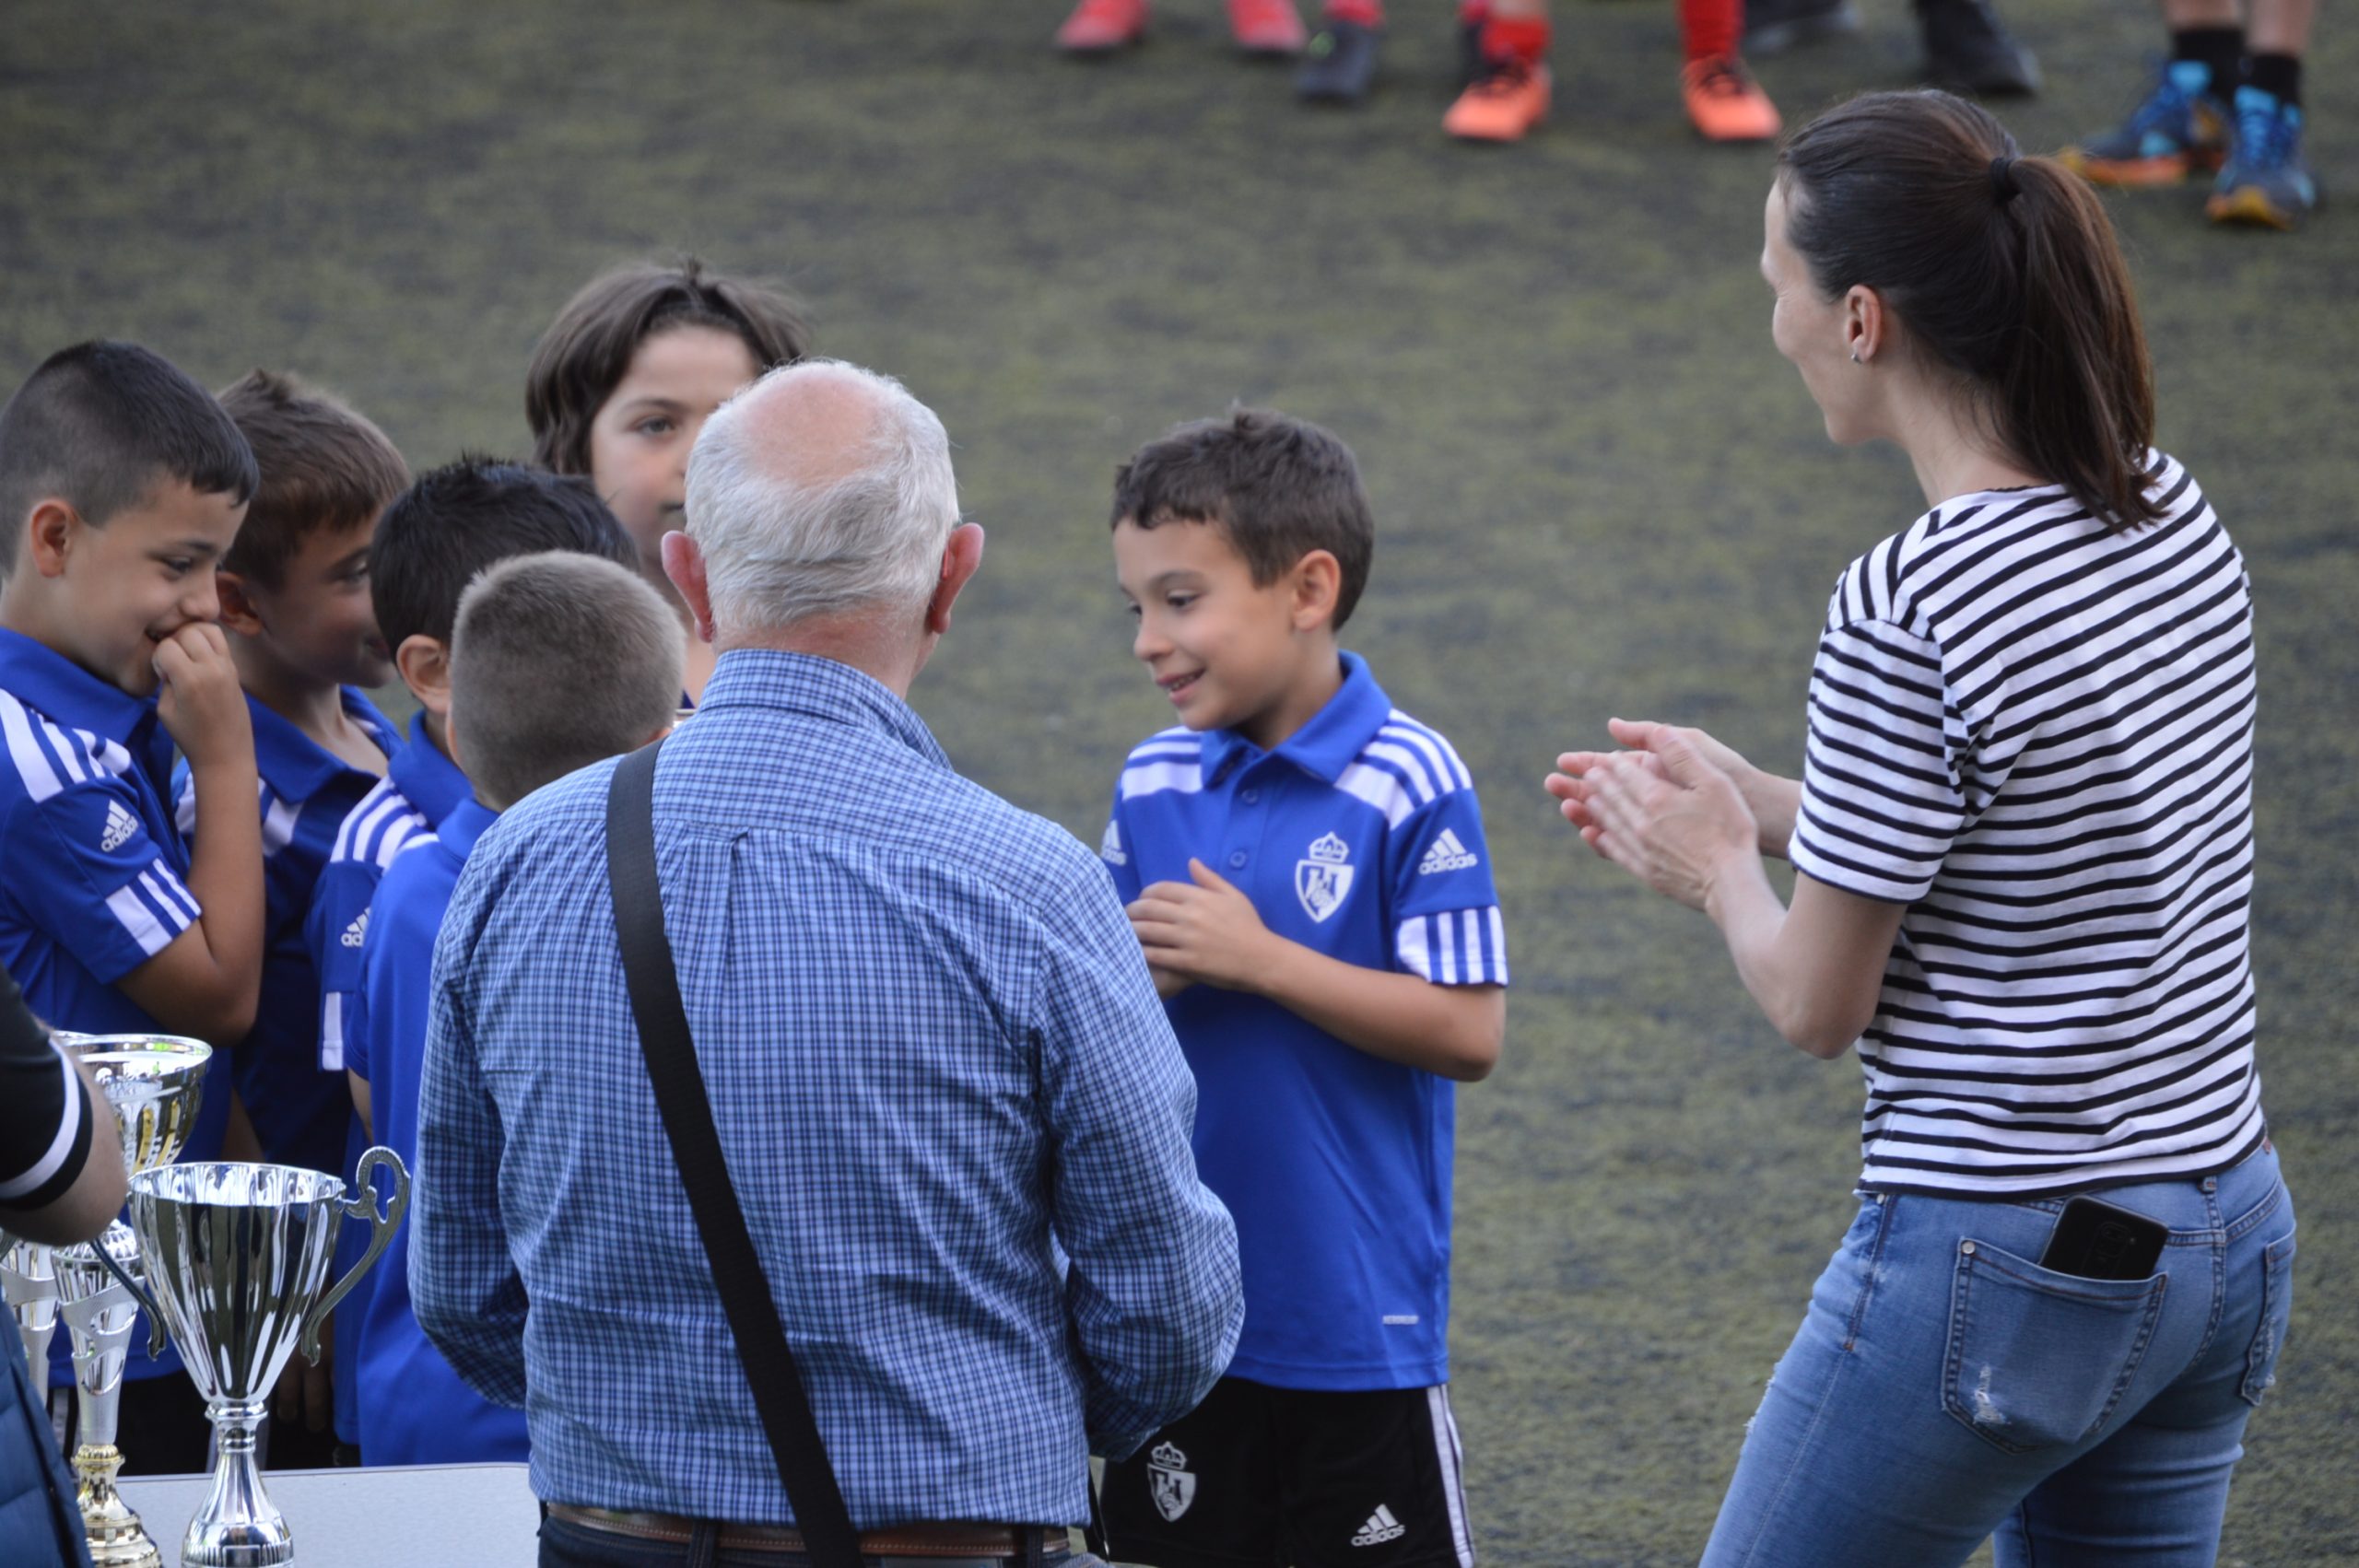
[152, 1084]
[238, 1257]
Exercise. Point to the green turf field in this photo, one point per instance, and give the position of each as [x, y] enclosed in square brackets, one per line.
[1600, 491]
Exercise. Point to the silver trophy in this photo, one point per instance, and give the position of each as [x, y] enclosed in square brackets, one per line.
[153, 1083]
[238, 1256]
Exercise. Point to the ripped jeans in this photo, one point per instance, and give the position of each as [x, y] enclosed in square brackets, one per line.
[1944, 1388]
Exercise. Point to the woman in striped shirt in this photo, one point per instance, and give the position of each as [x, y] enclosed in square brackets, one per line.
[2023, 840]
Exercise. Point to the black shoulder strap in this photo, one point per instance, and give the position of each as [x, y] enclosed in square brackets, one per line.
[686, 1111]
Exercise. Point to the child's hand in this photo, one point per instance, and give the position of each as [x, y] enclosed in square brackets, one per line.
[1202, 930]
[199, 701]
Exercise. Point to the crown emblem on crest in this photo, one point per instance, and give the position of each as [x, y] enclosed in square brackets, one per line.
[1330, 849]
[1169, 1456]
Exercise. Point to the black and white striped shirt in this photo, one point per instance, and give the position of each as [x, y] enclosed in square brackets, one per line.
[2038, 735]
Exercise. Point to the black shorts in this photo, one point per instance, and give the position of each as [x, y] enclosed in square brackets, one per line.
[1269, 1477]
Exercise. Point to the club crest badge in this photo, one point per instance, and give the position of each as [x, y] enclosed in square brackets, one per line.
[1172, 1487]
[1323, 881]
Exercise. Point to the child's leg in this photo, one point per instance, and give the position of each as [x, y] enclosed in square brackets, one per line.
[1510, 91]
[2266, 179]
[1723, 100]
[1339, 64]
[2181, 127]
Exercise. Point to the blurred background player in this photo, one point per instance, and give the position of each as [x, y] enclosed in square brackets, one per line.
[1509, 85]
[1260, 27]
[1966, 46]
[294, 592]
[528, 627]
[2229, 99]
[122, 488]
[626, 375]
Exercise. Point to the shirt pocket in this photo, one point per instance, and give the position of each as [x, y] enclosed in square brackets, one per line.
[2038, 1359]
[2276, 1307]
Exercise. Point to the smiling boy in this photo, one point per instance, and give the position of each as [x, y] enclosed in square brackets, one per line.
[1306, 875]
[122, 486]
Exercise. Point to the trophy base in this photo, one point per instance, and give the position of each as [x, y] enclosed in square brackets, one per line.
[115, 1535]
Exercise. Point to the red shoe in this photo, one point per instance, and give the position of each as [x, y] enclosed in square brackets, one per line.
[1501, 105]
[1100, 27]
[1266, 26]
[1725, 102]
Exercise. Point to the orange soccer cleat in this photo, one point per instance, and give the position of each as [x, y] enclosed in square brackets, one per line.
[1100, 27]
[1502, 104]
[1267, 27]
[1725, 102]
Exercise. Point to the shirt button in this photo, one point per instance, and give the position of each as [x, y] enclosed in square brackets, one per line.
[1236, 858]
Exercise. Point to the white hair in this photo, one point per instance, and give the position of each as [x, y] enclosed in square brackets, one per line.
[778, 550]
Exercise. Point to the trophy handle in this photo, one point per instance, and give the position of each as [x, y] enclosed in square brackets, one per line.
[362, 1205]
[138, 1293]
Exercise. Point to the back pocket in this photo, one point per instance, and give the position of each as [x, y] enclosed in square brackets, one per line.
[2276, 1305]
[2038, 1359]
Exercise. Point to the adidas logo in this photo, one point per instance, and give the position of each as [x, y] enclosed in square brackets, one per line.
[1381, 1527]
[121, 826]
[354, 933]
[1446, 855]
[1110, 849]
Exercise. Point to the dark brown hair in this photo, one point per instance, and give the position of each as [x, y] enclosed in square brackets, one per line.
[98, 425]
[2004, 267]
[324, 466]
[1279, 487]
[587, 350]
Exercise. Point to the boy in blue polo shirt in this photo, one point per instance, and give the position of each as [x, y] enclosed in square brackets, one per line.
[1307, 874]
[528, 627]
[295, 602]
[122, 486]
[451, 524]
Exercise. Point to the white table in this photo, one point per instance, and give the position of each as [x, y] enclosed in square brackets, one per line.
[392, 1516]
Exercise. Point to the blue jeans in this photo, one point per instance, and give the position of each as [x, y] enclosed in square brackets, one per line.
[1944, 1388]
[567, 1545]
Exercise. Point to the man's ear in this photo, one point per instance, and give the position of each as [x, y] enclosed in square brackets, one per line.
[1317, 583]
[239, 613]
[425, 666]
[683, 563]
[961, 557]
[52, 529]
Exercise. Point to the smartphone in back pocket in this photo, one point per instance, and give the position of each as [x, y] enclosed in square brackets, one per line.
[2096, 1240]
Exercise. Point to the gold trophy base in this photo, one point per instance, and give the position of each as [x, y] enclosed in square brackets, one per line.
[116, 1537]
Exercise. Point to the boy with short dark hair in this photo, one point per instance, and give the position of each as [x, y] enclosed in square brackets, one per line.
[122, 486]
[603, 645]
[1307, 874]
[448, 525]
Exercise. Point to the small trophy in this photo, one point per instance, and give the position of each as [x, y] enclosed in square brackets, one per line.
[237, 1255]
[152, 1082]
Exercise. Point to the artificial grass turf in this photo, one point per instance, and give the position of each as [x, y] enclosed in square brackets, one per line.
[1599, 491]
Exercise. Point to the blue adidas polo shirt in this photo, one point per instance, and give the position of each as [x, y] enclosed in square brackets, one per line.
[414, 1408]
[92, 875]
[1358, 837]
[301, 1114]
[421, 787]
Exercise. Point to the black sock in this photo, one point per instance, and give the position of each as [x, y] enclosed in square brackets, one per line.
[2279, 74]
[2221, 49]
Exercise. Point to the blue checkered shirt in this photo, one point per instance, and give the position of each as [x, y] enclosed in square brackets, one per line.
[931, 1045]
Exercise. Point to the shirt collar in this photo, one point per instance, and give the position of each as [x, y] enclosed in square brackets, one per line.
[297, 767]
[429, 780]
[823, 688]
[54, 685]
[464, 826]
[1339, 731]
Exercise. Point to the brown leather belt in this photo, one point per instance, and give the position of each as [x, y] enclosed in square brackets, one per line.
[924, 1540]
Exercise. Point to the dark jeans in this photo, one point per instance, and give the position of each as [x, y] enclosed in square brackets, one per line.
[565, 1545]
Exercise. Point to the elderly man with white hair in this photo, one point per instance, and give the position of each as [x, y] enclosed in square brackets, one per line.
[929, 1043]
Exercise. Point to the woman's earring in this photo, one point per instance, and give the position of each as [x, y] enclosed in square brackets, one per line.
[1855, 357]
